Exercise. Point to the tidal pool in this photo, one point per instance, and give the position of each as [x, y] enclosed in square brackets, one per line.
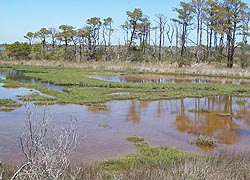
[172, 123]
[143, 78]
[11, 74]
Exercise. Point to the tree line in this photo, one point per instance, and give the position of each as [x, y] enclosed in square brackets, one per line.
[203, 31]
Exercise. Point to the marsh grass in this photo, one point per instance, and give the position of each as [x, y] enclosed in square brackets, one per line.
[7, 105]
[103, 126]
[11, 84]
[38, 99]
[199, 110]
[217, 167]
[204, 140]
[135, 139]
[162, 163]
[223, 114]
[212, 69]
[146, 156]
[79, 88]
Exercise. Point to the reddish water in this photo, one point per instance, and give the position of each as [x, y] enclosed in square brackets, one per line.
[162, 123]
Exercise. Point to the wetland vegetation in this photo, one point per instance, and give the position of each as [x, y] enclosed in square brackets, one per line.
[80, 88]
[171, 82]
[8, 105]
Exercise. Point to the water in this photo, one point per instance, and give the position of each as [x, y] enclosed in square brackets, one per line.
[11, 74]
[12, 93]
[168, 79]
[162, 123]
[173, 123]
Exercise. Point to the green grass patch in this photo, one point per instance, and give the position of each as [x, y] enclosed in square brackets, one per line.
[7, 105]
[199, 110]
[103, 126]
[204, 140]
[146, 156]
[79, 88]
[135, 139]
[38, 99]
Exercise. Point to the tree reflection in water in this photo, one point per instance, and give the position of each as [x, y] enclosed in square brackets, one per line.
[223, 117]
[210, 121]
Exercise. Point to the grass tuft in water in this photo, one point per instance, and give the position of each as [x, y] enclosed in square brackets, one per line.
[38, 99]
[8, 105]
[204, 140]
[135, 139]
[103, 126]
[199, 110]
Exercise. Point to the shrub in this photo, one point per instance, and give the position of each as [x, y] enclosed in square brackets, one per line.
[204, 140]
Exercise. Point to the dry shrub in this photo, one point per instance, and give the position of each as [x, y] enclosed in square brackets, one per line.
[46, 148]
[217, 167]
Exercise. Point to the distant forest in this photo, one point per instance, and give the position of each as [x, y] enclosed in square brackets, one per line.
[219, 31]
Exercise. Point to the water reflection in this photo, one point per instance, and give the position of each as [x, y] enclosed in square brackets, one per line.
[223, 117]
[12, 93]
[11, 74]
[168, 79]
[210, 123]
[162, 123]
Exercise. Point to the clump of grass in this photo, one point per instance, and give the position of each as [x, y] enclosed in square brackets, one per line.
[11, 84]
[199, 110]
[146, 157]
[97, 107]
[7, 105]
[224, 114]
[38, 99]
[135, 139]
[103, 126]
[204, 140]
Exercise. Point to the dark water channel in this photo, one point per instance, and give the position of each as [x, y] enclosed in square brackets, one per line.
[162, 123]
[169, 79]
[11, 74]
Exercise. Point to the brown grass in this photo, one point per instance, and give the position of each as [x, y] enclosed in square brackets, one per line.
[218, 167]
[230, 167]
[213, 69]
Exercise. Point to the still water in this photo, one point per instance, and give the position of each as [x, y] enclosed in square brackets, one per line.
[11, 74]
[162, 123]
[168, 79]
[173, 123]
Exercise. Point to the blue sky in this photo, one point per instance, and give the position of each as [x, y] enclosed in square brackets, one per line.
[22, 16]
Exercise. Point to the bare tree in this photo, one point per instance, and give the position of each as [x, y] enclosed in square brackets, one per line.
[170, 34]
[161, 21]
[46, 148]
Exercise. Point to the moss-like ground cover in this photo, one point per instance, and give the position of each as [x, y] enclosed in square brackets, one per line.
[146, 156]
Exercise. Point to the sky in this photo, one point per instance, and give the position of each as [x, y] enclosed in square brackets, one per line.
[22, 16]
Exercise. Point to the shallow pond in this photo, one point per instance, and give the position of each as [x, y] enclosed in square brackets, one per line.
[169, 79]
[11, 74]
[172, 123]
